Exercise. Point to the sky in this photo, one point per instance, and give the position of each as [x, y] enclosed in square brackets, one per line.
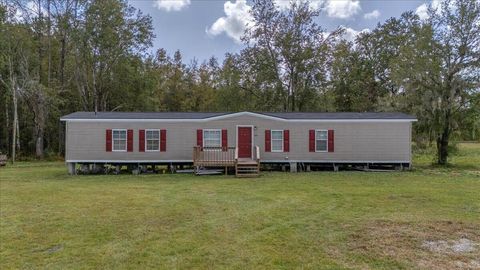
[204, 28]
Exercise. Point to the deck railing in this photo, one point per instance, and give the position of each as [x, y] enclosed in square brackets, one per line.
[213, 156]
[257, 153]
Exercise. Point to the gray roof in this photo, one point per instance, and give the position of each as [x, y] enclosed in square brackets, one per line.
[341, 115]
[205, 115]
[141, 115]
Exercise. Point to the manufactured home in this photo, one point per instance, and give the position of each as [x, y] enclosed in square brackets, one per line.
[243, 140]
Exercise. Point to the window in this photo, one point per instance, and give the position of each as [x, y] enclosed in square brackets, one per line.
[212, 138]
[152, 140]
[321, 140]
[277, 140]
[119, 138]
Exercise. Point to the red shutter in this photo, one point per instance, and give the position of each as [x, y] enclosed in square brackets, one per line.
[224, 140]
[199, 137]
[331, 141]
[108, 140]
[130, 140]
[163, 140]
[268, 141]
[141, 140]
[286, 140]
[311, 140]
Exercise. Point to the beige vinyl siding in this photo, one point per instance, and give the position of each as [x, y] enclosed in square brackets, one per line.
[354, 141]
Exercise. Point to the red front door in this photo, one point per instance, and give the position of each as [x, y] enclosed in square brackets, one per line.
[244, 142]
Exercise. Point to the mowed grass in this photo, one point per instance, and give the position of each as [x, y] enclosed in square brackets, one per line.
[317, 220]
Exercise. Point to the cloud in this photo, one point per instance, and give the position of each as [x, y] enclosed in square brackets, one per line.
[422, 10]
[237, 18]
[285, 4]
[372, 15]
[341, 9]
[350, 34]
[171, 5]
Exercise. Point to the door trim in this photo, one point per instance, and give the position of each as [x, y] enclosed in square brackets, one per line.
[253, 142]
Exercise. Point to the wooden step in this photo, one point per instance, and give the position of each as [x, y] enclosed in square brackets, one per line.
[247, 168]
[247, 175]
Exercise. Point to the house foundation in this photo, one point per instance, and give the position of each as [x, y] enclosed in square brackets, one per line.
[293, 167]
[71, 168]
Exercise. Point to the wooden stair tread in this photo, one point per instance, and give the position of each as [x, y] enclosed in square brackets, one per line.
[246, 167]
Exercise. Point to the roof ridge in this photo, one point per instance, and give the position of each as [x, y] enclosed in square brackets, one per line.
[217, 115]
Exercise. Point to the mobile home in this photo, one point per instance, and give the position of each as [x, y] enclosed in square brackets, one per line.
[229, 139]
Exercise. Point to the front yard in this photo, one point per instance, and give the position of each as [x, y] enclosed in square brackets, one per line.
[427, 218]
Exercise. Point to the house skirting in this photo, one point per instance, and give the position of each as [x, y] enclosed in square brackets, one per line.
[293, 165]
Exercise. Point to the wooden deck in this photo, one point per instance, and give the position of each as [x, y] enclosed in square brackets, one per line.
[213, 156]
[246, 161]
[204, 157]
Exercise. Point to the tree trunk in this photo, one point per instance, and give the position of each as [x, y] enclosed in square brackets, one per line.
[61, 138]
[49, 28]
[7, 124]
[62, 61]
[39, 109]
[39, 37]
[442, 147]
[15, 121]
[40, 132]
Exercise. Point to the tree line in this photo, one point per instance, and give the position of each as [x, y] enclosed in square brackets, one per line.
[61, 56]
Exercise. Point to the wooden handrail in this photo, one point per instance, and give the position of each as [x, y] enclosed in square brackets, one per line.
[257, 152]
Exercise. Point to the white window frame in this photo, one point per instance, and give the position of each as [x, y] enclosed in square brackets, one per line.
[209, 130]
[326, 149]
[126, 141]
[271, 140]
[159, 139]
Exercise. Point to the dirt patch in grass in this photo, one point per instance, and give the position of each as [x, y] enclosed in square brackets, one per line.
[436, 245]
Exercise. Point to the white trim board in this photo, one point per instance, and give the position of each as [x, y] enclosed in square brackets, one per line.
[261, 161]
[125, 161]
[334, 161]
[220, 117]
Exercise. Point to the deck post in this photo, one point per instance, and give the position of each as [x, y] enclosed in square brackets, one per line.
[293, 167]
[135, 169]
[71, 168]
[335, 167]
[85, 168]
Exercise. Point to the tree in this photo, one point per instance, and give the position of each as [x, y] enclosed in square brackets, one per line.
[440, 70]
[230, 91]
[381, 47]
[289, 52]
[353, 81]
[112, 31]
[15, 58]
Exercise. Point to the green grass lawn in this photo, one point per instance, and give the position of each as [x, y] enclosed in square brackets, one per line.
[317, 220]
